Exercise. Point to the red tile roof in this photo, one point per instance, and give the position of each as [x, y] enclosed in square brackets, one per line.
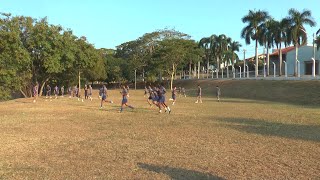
[284, 51]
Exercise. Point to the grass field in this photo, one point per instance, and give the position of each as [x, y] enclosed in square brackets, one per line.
[253, 137]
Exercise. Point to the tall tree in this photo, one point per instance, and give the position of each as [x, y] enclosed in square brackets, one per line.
[15, 61]
[267, 38]
[235, 47]
[318, 39]
[252, 31]
[173, 53]
[297, 32]
[204, 43]
[219, 44]
[280, 36]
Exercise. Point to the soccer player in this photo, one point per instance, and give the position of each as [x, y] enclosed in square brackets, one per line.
[35, 92]
[199, 93]
[62, 91]
[162, 99]
[48, 91]
[218, 93]
[75, 91]
[56, 91]
[124, 102]
[104, 96]
[100, 92]
[153, 98]
[70, 91]
[86, 92]
[127, 90]
[183, 92]
[179, 91]
[174, 94]
[90, 92]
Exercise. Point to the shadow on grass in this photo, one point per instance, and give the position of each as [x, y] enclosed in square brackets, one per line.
[268, 128]
[178, 173]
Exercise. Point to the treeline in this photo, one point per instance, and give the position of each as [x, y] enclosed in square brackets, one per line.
[34, 51]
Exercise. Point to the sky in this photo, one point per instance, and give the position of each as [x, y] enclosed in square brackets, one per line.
[108, 23]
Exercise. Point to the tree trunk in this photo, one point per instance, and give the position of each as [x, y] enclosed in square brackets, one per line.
[24, 94]
[198, 69]
[42, 86]
[296, 61]
[208, 64]
[172, 76]
[257, 62]
[190, 70]
[79, 89]
[268, 61]
[194, 70]
[227, 69]
[280, 61]
[218, 64]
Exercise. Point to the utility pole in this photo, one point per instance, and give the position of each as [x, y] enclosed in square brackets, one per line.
[198, 69]
[314, 46]
[79, 88]
[135, 79]
[244, 63]
[264, 62]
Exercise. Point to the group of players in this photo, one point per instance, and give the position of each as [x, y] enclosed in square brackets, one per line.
[158, 98]
[156, 95]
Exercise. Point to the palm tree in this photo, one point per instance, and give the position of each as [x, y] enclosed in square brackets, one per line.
[267, 38]
[317, 41]
[252, 31]
[218, 45]
[297, 32]
[204, 43]
[280, 34]
[234, 47]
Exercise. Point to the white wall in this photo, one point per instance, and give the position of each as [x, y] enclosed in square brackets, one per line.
[305, 53]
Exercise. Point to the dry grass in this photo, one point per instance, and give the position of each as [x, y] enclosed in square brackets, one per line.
[67, 139]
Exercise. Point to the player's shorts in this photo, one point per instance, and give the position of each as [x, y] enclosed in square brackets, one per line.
[104, 97]
[155, 98]
[124, 101]
[173, 97]
[162, 99]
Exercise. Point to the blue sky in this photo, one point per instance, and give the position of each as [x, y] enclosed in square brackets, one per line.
[108, 23]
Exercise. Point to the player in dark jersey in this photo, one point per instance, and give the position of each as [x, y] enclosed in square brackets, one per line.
[56, 91]
[86, 92]
[153, 97]
[127, 87]
[62, 91]
[70, 91]
[183, 92]
[124, 101]
[48, 91]
[104, 96]
[162, 99]
[35, 92]
[90, 92]
[199, 94]
[218, 93]
[100, 92]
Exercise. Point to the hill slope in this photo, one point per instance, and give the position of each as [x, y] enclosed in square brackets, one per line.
[291, 92]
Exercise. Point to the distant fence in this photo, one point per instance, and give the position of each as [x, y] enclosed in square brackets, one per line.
[251, 74]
